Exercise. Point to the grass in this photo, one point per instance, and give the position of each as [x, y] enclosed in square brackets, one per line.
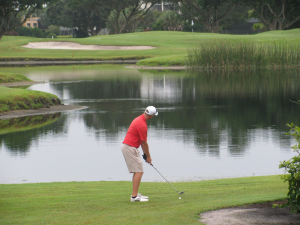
[13, 99]
[171, 46]
[108, 202]
[12, 77]
[228, 54]
[16, 98]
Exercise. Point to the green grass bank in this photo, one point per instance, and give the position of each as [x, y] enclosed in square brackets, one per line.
[16, 98]
[108, 202]
[172, 47]
[12, 77]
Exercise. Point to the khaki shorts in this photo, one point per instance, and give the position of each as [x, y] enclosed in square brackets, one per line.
[133, 159]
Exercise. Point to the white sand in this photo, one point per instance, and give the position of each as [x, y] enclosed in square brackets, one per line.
[76, 46]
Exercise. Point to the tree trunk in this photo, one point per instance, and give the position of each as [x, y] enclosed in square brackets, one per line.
[280, 25]
[116, 23]
[278, 17]
[273, 25]
[212, 28]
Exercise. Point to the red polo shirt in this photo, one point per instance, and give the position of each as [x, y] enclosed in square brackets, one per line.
[137, 132]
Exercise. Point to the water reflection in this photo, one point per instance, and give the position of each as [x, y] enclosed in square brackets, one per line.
[220, 109]
[222, 123]
[18, 134]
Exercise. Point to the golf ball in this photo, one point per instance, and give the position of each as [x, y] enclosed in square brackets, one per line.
[179, 197]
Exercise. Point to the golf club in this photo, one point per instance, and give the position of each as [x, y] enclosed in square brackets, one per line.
[145, 157]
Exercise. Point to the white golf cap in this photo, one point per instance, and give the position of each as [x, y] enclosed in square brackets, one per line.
[151, 110]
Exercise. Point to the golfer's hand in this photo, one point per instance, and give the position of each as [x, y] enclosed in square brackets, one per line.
[149, 160]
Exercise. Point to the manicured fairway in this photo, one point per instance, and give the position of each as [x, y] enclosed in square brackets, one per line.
[171, 46]
[108, 202]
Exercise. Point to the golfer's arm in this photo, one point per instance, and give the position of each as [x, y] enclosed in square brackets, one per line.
[145, 148]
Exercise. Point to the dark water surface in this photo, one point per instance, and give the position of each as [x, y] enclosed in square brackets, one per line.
[211, 124]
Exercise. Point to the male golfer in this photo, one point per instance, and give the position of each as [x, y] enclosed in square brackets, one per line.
[136, 136]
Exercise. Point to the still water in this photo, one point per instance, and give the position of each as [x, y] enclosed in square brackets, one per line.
[211, 124]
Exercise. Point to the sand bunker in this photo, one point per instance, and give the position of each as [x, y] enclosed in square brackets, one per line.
[262, 213]
[76, 46]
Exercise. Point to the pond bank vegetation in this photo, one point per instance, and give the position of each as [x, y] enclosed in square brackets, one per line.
[16, 98]
[229, 54]
[12, 77]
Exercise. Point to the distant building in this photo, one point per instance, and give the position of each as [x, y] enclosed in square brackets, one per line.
[163, 6]
[104, 31]
[32, 22]
[66, 31]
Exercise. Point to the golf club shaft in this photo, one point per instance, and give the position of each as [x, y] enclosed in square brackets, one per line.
[165, 178]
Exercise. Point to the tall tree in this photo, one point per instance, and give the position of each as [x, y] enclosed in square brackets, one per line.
[276, 14]
[10, 12]
[124, 13]
[209, 13]
[87, 17]
[238, 16]
[90, 15]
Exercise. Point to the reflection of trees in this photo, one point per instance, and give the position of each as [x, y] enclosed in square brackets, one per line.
[116, 88]
[27, 122]
[114, 111]
[218, 108]
[232, 104]
[22, 132]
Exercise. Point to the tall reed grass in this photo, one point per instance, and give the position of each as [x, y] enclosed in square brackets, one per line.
[228, 54]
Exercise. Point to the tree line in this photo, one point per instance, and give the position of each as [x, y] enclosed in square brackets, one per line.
[274, 14]
[123, 16]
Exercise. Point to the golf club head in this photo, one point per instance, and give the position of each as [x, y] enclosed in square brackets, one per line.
[181, 193]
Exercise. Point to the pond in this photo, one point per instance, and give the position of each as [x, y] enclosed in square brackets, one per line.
[211, 124]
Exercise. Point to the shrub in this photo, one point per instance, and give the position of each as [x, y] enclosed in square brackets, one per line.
[46, 34]
[36, 32]
[148, 20]
[292, 167]
[24, 31]
[29, 32]
[258, 26]
[81, 33]
[169, 20]
[53, 29]
[158, 25]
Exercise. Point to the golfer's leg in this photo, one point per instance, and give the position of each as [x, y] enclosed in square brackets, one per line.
[136, 180]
